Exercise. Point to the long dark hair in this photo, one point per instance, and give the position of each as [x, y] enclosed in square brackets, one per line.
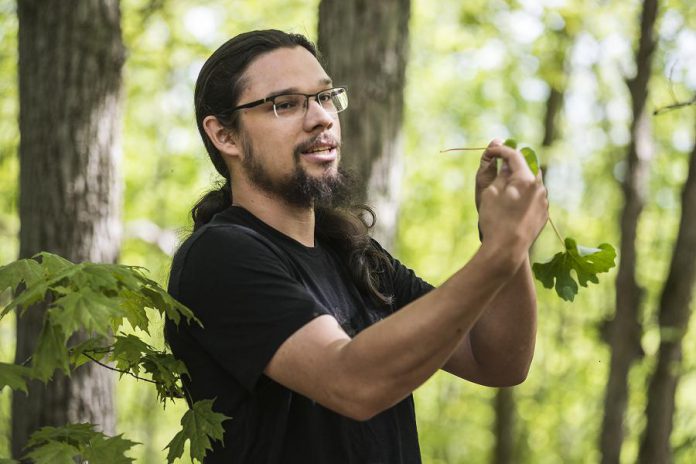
[219, 85]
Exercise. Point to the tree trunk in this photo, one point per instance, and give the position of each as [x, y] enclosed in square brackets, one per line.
[674, 314]
[504, 450]
[624, 331]
[70, 60]
[365, 46]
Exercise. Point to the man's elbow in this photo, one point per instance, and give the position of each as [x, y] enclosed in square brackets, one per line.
[360, 404]
[510, 378]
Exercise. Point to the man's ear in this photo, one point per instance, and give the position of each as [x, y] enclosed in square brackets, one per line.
[224, 140]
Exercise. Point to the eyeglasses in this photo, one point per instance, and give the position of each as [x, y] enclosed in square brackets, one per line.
[294, 105]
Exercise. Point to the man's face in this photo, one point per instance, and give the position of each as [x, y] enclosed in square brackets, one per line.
[294, 159]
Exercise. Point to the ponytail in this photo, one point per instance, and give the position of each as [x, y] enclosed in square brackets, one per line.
[213, 202]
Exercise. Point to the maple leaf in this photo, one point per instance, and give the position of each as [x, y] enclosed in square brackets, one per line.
[165, 370]
[585, 262]
[54, 452]
[58, 445]
[108, 449]
[200, 424]
[128, 352]
[51, 353]
[14, 376]
[85, 309]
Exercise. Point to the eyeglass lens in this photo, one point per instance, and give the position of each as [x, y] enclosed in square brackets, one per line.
[332, 100]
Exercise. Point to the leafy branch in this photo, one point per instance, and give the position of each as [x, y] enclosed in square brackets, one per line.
[584, 262]
[104, 301]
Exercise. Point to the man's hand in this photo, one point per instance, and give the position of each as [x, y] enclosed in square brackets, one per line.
[512, 203]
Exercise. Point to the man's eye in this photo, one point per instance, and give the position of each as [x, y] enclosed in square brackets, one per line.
[325, 97]
[285, 105]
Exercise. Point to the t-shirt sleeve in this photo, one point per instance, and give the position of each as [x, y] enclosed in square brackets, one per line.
[246, 297]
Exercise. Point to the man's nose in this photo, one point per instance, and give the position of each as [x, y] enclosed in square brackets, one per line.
[317, 115]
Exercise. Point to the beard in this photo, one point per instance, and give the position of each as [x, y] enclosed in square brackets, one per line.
[299, 189]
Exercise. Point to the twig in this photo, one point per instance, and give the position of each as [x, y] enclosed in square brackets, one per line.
[463, 149]
[120, 370]
[674, 106]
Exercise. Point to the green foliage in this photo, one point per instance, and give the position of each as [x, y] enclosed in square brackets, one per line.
[529, 154]
[586, 262]
[101, 300]
[62, 445]
[14, 376]
[199, 425]
[97, 298]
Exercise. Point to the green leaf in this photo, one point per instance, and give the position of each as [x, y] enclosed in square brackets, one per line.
[8, 461]
[23, 270]
[512, 143]
[96, 347]
[200, 424]
[166, 370]
[108, 449]
[14, 376]
[85, 309]
[585, 262]
[128, 352]
[75, 434]
[531, 158]
[54, 452]
[133, 305]
[52, 263]
[51, 352]
[57, 445]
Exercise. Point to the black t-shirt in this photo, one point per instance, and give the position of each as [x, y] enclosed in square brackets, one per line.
[252, 287]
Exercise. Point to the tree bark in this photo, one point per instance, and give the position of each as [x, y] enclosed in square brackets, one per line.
[674, 315]
[365, 47]
[70, 60]
[624, 331]
[505, 413]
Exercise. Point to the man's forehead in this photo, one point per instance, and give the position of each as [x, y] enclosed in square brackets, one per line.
[284, 69]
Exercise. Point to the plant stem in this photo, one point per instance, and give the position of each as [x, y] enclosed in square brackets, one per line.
[463, 149]
[118, 370]
[557, 233]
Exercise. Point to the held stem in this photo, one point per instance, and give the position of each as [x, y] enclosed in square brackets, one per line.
[557, 233]
[463, 149]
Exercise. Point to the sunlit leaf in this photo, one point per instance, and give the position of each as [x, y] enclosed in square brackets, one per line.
[85, 309]
[531, 158]
[108, 449]
[14, 376]
[200, 425]
[585, 262]
[51, 445]
[54, 452]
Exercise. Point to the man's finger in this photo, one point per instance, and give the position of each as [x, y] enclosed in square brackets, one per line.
[513, 158]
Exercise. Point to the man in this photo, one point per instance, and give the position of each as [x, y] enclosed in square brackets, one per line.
[314, 337]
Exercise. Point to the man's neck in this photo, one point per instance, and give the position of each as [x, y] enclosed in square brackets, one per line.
[295, 222]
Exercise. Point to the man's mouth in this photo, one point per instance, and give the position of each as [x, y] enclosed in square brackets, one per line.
[320, 151]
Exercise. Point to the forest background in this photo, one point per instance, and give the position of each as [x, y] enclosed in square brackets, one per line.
[475, 70]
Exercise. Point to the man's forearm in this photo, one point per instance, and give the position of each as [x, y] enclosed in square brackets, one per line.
[502, 340]
[396, 355]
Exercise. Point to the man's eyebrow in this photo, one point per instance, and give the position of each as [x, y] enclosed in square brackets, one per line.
[324, 81]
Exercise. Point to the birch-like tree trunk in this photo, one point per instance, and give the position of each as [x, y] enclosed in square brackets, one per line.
[624, 331]
[365, 47]
[70, 59]
[674, 315]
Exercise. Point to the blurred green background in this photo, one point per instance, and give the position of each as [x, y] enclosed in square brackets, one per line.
[477, 70]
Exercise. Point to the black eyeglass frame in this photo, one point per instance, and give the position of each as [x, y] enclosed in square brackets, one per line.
[272, 98]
